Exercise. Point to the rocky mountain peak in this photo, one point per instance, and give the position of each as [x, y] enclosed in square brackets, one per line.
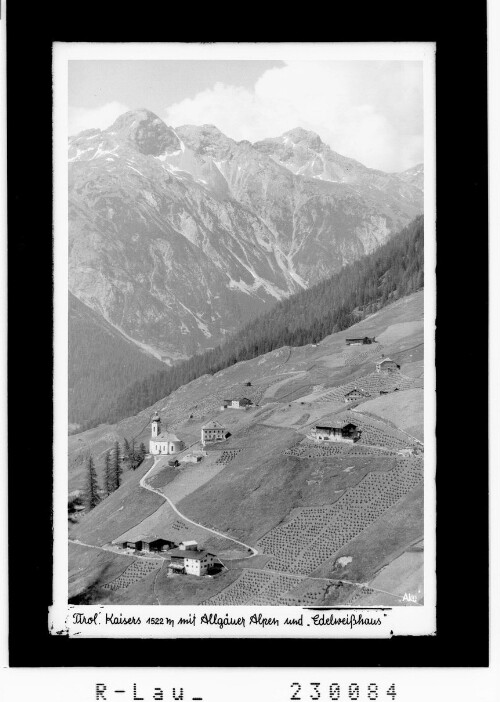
[177, 237]
[302, 136]
[205, 139]
[87, 133]
[149, 134]
[419, 168]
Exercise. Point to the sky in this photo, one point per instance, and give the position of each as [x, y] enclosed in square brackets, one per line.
[368, 110]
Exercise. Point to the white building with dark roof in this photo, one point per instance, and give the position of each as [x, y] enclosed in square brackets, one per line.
[212, 432]
[163, 442]
[240, 403]
[386, 365]
[355, 394]
[191, 561]
[336, 430]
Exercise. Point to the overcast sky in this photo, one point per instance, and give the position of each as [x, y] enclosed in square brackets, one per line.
[368, 110]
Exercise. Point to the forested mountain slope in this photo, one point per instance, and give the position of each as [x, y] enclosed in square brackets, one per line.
[392, 271]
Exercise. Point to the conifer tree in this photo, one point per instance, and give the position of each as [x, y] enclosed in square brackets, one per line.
[140, 455]
[109, 474]
[126, 449]
[92, 497]
[117, 466]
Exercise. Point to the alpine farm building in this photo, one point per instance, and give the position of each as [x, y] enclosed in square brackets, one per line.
[189, 560]
[240, 403]
[149, 543]
[386, 365]
[358, 342]
[355, 394]
[336, 430]
[212, 432]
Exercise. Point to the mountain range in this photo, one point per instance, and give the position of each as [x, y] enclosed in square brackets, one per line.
[177, 237]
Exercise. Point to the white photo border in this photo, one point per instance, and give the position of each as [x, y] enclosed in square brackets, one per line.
[416, 621]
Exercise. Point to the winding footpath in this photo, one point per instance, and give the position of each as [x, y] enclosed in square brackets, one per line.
[145, 485]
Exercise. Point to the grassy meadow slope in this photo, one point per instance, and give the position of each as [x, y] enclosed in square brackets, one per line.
[301, 505]
[404, 411]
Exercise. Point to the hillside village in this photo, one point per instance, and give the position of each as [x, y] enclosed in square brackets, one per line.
[293, 478]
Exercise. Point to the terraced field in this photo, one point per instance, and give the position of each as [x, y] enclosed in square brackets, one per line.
[258, 588]
[227, 456]
[373, 384]
[248, 585]
[139, 569]
[307, 593]
[300, 546]
[359, 594]
[271, 594]
[310, 449]
[354, 355]
[317, 533]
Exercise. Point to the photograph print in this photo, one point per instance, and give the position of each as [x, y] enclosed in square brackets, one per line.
[246, 332]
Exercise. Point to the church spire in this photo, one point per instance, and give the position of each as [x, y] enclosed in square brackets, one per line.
[155, 425]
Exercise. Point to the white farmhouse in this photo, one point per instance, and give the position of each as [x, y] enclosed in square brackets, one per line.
[189, 560]
[212, 432]
[163, 442]
[336, 430]
[240, 403]
[386, 365]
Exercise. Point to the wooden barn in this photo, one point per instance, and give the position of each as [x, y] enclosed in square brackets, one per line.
[148, 544]
[160, 545]
[359, 341]
[337, 430]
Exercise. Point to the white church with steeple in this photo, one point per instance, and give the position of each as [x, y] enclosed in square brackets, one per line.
[163, 442]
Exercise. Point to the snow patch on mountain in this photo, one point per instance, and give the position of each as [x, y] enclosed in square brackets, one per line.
[199, 323]
[133, 168]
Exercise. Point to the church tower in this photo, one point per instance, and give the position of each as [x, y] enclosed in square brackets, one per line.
[155, 425]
